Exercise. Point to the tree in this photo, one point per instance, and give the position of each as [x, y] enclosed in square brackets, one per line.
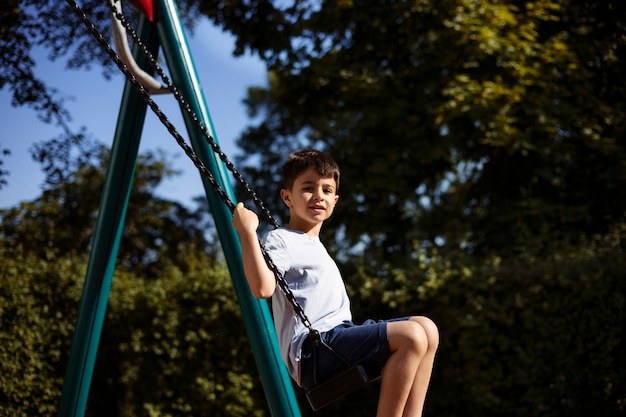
[26, 24]
[29, 24]
[491, 127]
[63, 218]
[480, 126]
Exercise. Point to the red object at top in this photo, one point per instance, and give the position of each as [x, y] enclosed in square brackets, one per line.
[145, 7]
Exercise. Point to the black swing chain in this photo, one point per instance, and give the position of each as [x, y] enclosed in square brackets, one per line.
[284, 286]
[194, 118]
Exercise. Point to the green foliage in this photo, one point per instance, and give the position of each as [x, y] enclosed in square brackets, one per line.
[487, 126]
[530, 335]
[38, 299]
[493, 127]
[173, 342]
[25, 26]
[174, 345]
[527, 336]
[63, 218]
[541, 336]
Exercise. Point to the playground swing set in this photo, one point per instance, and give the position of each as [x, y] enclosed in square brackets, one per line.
[159, 27]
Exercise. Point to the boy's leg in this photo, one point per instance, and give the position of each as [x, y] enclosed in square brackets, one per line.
[424, 371]
[406, 375]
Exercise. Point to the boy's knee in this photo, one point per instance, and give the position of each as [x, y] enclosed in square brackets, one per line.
[430, 330]
[418, 337]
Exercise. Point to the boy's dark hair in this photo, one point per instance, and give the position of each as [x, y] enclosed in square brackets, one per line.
[298, 162]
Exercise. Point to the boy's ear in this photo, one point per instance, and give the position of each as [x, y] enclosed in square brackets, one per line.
[284, 194]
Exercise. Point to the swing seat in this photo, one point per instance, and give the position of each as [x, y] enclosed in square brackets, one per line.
[342, 384]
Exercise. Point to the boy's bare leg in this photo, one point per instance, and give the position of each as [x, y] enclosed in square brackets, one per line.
[415, 402]
[405, 378]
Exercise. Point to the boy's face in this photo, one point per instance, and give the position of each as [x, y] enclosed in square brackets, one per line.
[311, 200]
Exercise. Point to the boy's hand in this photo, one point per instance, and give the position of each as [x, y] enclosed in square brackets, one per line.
[244, 220]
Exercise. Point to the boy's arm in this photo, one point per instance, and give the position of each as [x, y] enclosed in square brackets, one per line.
[260, 278]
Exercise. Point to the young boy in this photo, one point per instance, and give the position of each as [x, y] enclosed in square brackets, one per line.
[406, 346]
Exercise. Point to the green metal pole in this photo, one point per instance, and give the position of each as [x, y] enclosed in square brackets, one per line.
[257, 318]
[106, 239]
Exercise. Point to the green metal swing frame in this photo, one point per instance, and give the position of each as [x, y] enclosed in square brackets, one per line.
[166, 32]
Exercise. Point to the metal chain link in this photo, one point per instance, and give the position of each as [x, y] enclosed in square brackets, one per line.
[284, 286]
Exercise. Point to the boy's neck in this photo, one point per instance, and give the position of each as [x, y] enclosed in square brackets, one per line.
[310, 230]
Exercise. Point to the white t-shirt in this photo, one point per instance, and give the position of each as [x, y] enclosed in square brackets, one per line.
[316, 283]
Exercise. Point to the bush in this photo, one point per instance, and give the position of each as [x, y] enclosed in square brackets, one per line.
[175, 345]
[531, 335]
[38, 298]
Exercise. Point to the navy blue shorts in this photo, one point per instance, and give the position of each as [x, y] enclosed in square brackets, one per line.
[358, 343]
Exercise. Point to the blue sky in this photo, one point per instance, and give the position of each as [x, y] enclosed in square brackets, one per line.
[94, 102]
